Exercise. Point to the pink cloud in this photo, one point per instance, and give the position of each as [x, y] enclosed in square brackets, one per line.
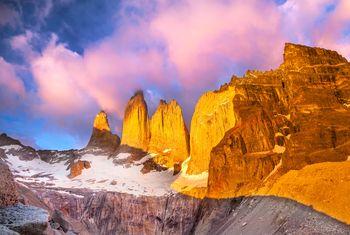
[200, 34]
[176, 50]
[331, 35]
[12, 89]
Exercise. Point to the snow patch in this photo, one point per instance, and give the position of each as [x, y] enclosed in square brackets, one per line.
[11, 147]
[122, 156]
[103, 175]
[186, 182]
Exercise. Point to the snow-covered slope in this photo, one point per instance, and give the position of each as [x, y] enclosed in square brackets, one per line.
[104, 174]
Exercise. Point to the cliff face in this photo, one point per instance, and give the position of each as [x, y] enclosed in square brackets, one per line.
[118, 213]
[101, 134]
[293, 116]
[8, 188]
[213, 116]
[136, 123]
[169, 135]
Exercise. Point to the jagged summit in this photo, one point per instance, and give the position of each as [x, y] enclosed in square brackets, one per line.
[169, 134]
[101, 121]
[297, 56]
[102, 136]
[136, 122]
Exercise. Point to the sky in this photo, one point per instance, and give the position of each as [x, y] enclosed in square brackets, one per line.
[62, 61]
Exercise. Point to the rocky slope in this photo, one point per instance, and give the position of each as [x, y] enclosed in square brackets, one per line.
[8, 188]
[101, 136]
[136, 123]
[263, 215]
[16, 218]
[169, 135]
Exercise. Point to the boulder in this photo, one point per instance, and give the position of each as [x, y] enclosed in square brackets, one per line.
[77, 168]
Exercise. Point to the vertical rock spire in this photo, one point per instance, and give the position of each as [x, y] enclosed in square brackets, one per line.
[136, 123]
[101, 134]
[168, 132]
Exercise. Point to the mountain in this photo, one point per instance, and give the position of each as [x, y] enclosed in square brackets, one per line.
[101, 136]
[212, 117]
[267, 153]
[136, 123]
[288, 118]
[169, 135]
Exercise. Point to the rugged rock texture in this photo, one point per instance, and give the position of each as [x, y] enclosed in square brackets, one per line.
[136, 123]
[263, 215]
[118, 213]
[298, 113]
[169, 135]
[24, 219]
[101, 134]
[213, 116]
[245, 156]
[8, 189]
[77, 168]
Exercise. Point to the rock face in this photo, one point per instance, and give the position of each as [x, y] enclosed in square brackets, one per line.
[298, 113]
[118, 213]
[101, 134]
[169, 134]
[8, 188]
[78, 167]
[24, 219]
[263, 215]
[136, 123]
[213, 116]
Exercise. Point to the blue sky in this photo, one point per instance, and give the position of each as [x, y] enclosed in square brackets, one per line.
[61, 61]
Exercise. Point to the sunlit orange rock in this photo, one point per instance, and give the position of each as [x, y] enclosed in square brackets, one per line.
[169, 135]
[136, 123]
[101, 134]
[77, 168]
[213, 116]
[298, 113]
[324, 186]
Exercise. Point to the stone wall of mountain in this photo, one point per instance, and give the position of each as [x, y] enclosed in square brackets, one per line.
[288, 118]
[213, 116]
[165, 133]
[8, 189]
[169, 134]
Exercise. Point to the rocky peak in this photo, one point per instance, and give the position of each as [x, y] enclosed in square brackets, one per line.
[288, 118]
[297, 56]
[102, 136]
[7, 140]
[101, 122]
[136, 123]
[169, 135]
